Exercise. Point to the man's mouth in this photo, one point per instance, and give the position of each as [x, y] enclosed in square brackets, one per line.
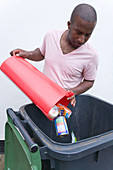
[76, 44]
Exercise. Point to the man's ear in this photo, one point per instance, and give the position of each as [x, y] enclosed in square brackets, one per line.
[68, 24]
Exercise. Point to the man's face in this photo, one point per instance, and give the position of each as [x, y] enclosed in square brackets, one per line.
[79, 32]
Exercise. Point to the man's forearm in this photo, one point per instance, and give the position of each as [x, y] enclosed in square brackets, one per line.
[35, 55]
[82, 87]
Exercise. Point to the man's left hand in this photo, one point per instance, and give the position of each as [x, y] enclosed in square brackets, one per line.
[72, 99]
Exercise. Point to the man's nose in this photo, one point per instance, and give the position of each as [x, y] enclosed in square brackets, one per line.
[81, 39]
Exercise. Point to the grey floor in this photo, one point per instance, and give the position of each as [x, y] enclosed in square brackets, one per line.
[1, 161]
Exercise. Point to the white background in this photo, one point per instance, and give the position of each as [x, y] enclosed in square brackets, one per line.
[23, 24]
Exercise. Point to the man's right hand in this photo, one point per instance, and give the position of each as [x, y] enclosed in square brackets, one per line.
[31, 55]
[20, 53]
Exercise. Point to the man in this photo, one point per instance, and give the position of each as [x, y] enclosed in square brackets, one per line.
[69, 60]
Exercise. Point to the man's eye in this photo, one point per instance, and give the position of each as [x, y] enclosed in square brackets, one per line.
[78, 32]
[87, 35]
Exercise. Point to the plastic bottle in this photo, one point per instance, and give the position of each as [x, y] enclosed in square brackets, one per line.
[73, 137]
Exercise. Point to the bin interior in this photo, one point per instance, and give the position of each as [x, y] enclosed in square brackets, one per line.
[90, 117]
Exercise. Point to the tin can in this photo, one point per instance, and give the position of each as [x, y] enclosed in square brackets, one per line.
[60, 109]
[53, 113]
[67, 112]
[61, 126]
[64, 111]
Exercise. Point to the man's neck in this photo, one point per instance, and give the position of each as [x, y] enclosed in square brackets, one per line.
[66, 47]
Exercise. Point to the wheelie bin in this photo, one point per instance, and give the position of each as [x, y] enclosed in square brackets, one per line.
[92, 123]
[30, 134]
[21, 153]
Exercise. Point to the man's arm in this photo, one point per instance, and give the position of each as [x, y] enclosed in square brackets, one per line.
[81, 88]
[31, 55]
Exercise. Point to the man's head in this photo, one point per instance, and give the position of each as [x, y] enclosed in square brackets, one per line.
[81, 25]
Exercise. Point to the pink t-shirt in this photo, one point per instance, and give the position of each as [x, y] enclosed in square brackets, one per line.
[68, 70]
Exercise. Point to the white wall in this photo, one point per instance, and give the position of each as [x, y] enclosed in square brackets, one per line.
[23, 24]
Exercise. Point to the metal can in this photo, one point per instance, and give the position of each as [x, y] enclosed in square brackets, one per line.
[67, 112]
[64, 111]
[61, 126]
[53, 113]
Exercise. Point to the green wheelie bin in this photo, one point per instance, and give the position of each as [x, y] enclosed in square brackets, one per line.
[92, 123]
[21, 153]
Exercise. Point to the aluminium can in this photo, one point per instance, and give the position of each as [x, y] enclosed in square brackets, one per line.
[61, 126]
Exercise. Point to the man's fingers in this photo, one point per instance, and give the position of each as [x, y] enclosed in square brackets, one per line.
[11, 53]
[14, 52]
[21, 54]
[73, 102]
[70, 98]
[17, 52]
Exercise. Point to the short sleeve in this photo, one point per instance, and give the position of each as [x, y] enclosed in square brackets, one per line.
[90, 71]
[43, 46]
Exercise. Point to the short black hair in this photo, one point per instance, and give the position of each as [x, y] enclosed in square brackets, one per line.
[84, 11]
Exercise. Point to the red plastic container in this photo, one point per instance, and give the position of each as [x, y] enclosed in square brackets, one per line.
[43, 92]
